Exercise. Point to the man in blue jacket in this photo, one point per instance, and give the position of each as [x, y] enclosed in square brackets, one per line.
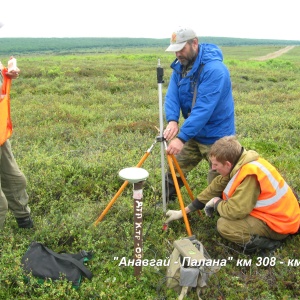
[199, 89]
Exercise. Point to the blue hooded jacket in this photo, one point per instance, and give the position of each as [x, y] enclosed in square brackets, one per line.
[212, 116]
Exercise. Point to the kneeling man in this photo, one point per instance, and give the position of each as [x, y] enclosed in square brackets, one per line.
[257, 207]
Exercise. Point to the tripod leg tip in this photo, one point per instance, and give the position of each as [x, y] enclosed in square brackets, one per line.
[165, 227]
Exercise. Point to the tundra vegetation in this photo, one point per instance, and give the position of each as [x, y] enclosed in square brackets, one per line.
[79, 118]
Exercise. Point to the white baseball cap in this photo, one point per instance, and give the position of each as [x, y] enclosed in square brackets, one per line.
[180, 37]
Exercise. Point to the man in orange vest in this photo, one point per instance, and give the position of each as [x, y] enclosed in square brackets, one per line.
[257, 208]
[13, 193]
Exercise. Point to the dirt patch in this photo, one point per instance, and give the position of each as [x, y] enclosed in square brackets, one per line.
[274, 54]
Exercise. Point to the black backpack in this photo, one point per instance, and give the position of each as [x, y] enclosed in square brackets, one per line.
[45, 264]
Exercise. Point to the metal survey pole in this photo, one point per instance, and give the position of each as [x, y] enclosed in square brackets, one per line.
[137, 176]
[160, 81]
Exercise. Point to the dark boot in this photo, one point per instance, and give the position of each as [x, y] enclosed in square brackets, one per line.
[260, 242]
[25, 222]
[170, 187]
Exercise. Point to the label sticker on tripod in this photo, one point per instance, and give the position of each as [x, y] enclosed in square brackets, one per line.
[138, 194]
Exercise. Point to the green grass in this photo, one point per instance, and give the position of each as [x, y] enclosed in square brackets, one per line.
[80, 119]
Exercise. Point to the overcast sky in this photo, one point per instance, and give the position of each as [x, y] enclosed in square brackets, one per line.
[261, 19]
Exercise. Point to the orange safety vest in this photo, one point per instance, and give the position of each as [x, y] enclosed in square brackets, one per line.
[5, 120]
[276, 205]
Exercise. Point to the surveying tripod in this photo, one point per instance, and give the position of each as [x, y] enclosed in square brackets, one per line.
[170, 158]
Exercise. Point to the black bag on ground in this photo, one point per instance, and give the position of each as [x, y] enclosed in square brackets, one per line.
[44, 263]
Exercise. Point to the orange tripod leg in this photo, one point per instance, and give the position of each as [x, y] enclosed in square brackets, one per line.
[182, 177]
[184, 180]
[186, 221]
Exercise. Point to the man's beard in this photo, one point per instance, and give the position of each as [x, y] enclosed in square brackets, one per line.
[188, 59]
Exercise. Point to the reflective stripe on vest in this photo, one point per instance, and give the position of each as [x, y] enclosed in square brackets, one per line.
[276, 205]
[229, 185]
[280, 192]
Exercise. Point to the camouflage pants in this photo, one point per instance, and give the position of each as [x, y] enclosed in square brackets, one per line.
[191, 154]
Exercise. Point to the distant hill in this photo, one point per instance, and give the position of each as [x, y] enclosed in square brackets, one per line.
[14, 46]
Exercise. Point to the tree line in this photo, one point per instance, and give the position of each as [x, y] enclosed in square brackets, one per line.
[14, 46]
